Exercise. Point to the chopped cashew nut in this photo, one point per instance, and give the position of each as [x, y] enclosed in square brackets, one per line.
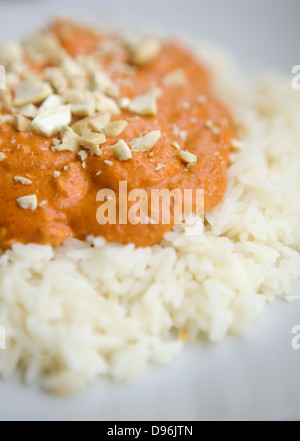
[103, 84]
[77, 96]
[106, 104]
[51, 102]
[21, 123]
[10, 52]
[70, 141]
[56, 78]
[30, 111]
[91, 142]
[56, 174]
[147, 142]
[99, 121]
[83, 109]
[28, 202]
[44, 48]
[115, 128]
[6, 119]
[22, 180]
[2, 156]
[6, 100]
[176, 145]
[92, 123]
[144, 104]
[70, 67]
[31, 91]
[187, 157]
[121, 150]
[51, 121]
[145, 51]
[175, 78]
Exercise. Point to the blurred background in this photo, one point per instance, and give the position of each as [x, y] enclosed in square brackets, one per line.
[261, 33]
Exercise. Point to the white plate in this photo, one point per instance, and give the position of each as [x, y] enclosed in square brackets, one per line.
[257, 377]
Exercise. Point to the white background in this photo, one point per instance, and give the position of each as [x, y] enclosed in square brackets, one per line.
[257, 377]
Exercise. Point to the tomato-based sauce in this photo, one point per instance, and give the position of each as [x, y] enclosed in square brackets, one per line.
[67, 201]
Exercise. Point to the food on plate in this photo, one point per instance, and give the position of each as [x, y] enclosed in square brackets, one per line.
[84, 111]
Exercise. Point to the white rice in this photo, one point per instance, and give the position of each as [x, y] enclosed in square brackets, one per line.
[78, 313]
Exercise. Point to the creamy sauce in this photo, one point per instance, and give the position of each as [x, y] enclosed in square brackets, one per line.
[70, 210]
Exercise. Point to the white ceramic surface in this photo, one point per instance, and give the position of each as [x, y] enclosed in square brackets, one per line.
[257, 377]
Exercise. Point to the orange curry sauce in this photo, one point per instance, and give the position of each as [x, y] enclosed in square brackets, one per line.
[71, 205]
